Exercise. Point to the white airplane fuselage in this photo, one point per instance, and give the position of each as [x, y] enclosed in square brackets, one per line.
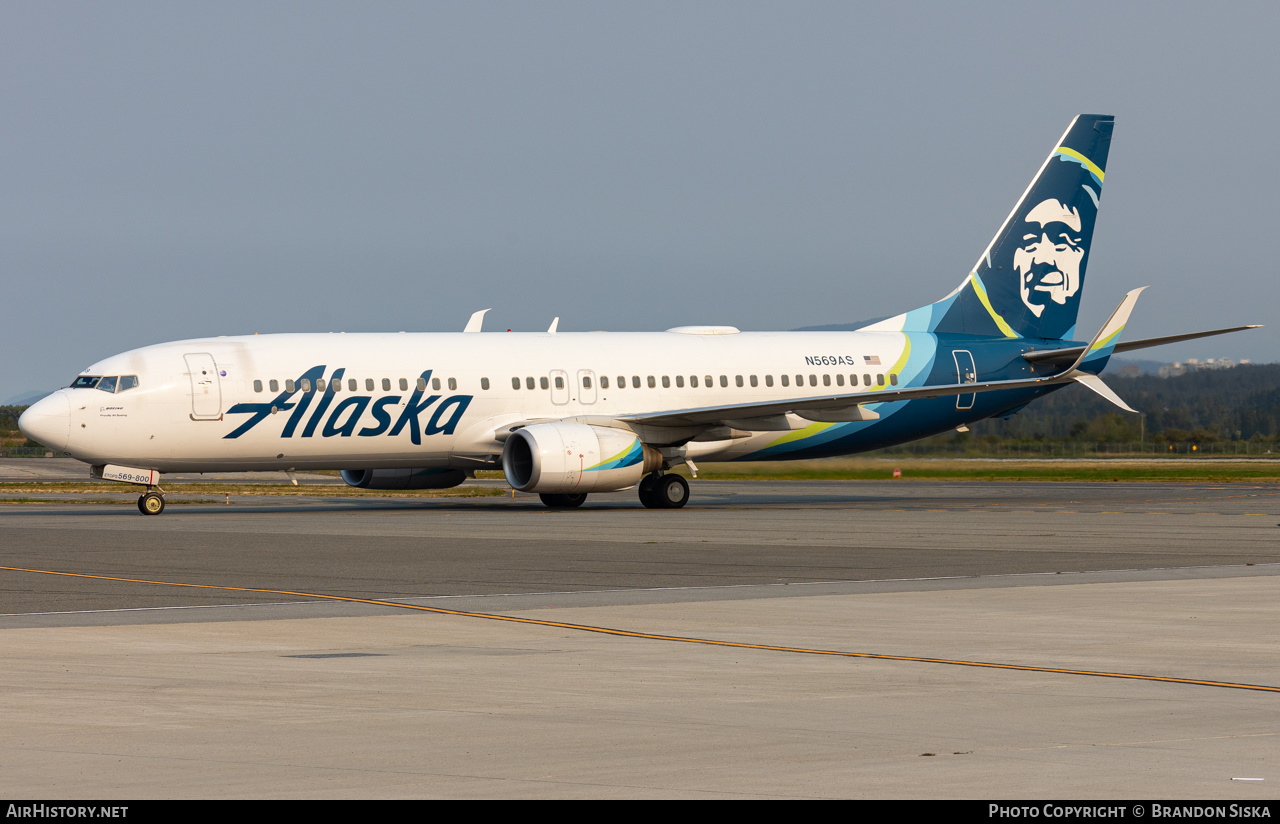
[371, 412]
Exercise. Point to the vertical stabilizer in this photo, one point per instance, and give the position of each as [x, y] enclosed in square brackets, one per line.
[1027, 283]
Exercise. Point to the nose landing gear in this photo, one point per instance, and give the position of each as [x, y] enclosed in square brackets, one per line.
[151, 502]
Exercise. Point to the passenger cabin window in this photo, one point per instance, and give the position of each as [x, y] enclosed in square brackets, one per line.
[274, 385]
[386, 384]
[543, 383]
[652, 383]
[893, 379]
[107, 384]
[559, 382]
[826, 380]
[604, 381]
[319, 384]
[737, 380]
[404, 385]
[622, 381]
[306, 384]
[453, 383]
[724, 380]
[880, 380]
[839, 380]
[288, 385]
[666, 382]
[768, 380]
[435, 383]
[368, 384]
[710, 382]
[754, 382]
[515, 383]
[353, 385]
[693, 381]
[484, 383]
[257, 386]
[421, 383]
[586, 381]
[335, 386]
[786, 380]
[866, 380]
[680, 381]
[635, 381]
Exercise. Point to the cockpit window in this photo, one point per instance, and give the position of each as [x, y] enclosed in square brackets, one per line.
[108, 384]
[85, 382]
[127, 382]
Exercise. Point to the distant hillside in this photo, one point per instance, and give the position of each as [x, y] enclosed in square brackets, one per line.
[1227, 404]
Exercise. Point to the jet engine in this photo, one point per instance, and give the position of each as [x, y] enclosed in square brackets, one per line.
[576, 457]
[415, 478]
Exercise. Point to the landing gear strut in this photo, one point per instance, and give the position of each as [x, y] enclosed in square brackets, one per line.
[151, 502]
[664, 491]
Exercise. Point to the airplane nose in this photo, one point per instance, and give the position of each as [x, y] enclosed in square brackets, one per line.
[48, 421]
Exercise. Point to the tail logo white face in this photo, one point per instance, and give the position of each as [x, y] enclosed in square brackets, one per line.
[1049, 255]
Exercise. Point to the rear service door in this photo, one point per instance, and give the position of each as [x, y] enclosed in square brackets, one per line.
[206, 389]
[965, 373]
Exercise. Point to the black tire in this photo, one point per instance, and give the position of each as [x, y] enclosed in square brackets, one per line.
[648, 494]
[152, 503]
[563, 501]
[672, 491]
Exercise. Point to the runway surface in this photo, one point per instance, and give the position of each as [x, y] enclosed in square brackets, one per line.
[130, 689]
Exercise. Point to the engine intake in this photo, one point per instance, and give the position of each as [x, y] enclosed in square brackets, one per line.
[576, 457]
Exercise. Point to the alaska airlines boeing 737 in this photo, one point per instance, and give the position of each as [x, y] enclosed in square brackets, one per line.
[568, 414]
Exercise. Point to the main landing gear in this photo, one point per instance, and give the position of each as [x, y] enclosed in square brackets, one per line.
[151, 502]
[661, 491]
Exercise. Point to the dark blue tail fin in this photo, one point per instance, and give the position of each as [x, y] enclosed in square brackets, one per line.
[1028, 281]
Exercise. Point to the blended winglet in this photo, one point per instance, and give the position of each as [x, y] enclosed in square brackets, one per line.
[476, 322]
[1095, 355]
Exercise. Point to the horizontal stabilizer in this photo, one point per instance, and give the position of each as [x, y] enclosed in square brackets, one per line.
[1095, 383]
[1073, 352]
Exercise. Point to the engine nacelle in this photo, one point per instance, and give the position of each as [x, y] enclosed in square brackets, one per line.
[576, 457]
[403, 478]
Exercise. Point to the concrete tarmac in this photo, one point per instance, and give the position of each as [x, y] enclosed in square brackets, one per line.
[120, 689]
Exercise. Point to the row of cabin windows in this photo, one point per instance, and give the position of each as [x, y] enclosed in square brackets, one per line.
[353, 385]
[651, 381]
[708, 381]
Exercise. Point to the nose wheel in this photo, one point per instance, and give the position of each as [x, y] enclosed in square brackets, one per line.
[664, 491]
[151, 503]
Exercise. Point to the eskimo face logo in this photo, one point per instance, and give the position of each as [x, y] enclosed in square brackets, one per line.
[1049, 255]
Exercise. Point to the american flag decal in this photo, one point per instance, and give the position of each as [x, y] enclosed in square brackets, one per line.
[872, 360]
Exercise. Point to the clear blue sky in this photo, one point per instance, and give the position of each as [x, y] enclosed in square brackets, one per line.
[173, 170]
